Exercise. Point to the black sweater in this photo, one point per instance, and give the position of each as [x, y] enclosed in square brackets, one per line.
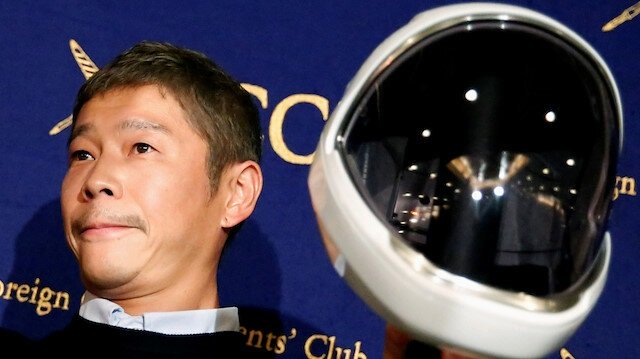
[84, 338]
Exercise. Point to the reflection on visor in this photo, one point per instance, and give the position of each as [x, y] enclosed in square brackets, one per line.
[468, 147]
[487, 219]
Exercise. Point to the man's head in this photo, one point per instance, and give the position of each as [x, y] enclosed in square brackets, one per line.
[162, 165]
[218, 108]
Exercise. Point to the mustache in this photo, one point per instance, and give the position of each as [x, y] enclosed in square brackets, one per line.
[105, 216]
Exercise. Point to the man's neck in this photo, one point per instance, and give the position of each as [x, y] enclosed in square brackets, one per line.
[166, 301]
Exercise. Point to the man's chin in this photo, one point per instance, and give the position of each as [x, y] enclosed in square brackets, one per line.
[107, 281]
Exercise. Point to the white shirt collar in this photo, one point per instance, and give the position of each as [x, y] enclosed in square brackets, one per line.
[199, 321]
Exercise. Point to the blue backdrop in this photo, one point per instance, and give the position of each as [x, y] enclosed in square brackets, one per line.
[297, 58]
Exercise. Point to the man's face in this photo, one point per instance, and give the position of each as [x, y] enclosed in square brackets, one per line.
[135, 200]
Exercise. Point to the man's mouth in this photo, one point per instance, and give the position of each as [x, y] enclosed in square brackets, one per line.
[103, 227]
[103, 223]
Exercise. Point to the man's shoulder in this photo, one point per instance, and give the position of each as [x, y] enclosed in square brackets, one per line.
[14, 338]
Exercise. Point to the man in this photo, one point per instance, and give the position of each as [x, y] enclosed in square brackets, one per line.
[163, 167]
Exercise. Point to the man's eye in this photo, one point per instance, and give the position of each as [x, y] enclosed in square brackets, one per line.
[142, 147]
[81, 155]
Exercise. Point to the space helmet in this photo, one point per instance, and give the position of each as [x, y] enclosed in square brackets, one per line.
[463, 184]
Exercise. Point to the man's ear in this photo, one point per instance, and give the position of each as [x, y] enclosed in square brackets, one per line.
[244, 181]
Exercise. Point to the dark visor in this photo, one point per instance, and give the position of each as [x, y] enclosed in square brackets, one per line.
[490, 148]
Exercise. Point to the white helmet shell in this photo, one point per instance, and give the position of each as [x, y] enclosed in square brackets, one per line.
[470, 224]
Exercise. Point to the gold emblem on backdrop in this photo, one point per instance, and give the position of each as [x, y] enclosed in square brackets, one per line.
[628, 14]
[276, 120]
[88, 68]
[565, 354]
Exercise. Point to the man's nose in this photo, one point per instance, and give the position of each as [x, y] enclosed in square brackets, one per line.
[103, 180]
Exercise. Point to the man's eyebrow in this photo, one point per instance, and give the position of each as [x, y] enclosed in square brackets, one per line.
[79, 130]
[130, 124]
[138, 124]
